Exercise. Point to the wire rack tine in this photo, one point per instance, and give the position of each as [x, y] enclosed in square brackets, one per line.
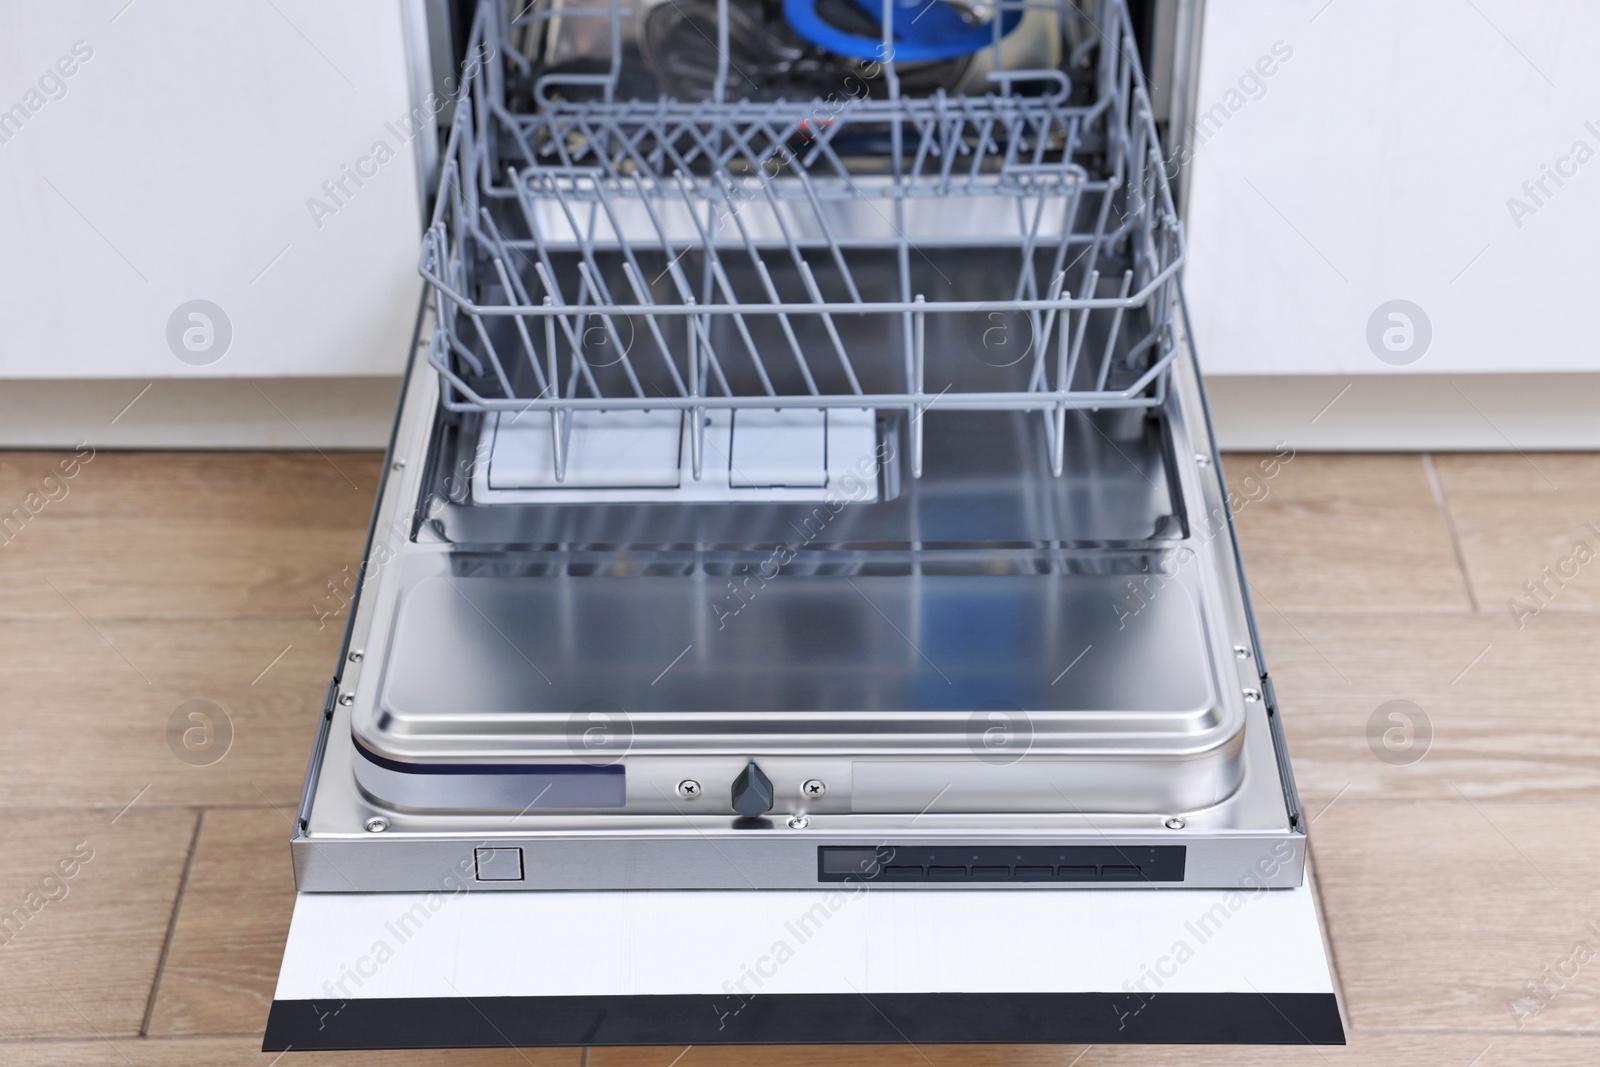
[828, 324]
[685, 294]
[1112, 334]
[546, 272]
[580, 365]
[696, 417]
[641, 292]
[718, 276]
[512, 283]
[589, 271]
[918, 386]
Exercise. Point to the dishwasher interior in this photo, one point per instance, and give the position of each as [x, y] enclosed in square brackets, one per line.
[802, 477]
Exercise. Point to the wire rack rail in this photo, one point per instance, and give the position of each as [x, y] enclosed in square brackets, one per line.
[1010, 251]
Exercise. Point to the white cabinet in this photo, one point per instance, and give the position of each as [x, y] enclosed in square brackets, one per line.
[259, 157]
[1435, 152]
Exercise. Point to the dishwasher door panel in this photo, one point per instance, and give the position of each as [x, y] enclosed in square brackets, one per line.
[849, 965]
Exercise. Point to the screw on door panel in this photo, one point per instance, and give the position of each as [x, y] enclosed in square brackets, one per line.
[1174, 822]
[814, 787]
[688, 789]
[377, 824]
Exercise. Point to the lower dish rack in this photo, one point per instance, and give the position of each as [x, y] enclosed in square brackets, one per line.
[711, 256]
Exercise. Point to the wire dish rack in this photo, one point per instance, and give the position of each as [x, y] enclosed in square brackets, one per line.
[869, 248]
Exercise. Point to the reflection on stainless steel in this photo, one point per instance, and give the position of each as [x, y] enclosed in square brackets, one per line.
[880, 651]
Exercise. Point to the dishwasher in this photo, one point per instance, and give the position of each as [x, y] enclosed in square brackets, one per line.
[802, 603]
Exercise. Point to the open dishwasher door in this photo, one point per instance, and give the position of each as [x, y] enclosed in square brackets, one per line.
[802, 604]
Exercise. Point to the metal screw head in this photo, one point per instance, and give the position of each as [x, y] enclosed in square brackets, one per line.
[355, 656]
[688, 789]
[1174, 822]
[398, 465]
[814, 787]
[798, 822]
[1202, 460]
[377, 824]
[347, 699]
[1241, 651]
[1252, 695]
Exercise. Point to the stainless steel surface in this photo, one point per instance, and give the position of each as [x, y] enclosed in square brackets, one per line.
[583, 641]
[905, 628]
[1174, 74]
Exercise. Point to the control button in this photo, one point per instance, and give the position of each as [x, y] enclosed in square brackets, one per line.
[499, 864]
[752, 792]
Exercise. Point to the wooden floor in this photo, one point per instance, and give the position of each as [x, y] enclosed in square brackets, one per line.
[1451, 885]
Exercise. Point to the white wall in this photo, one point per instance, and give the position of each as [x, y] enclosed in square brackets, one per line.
[175, 164]
[1375, 164]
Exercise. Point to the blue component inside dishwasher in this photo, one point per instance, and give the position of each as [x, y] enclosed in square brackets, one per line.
[923, 31]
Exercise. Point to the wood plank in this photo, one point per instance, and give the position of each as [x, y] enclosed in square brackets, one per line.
[1376, 1050]
[1510, 711]
[1516, 516]
[244, 1051]
[1364, 1050]
[1343, 533]
[1443, 915]
[180, 534]
[223, 961]
[93, 719]
[1551, 475]
[82, 964]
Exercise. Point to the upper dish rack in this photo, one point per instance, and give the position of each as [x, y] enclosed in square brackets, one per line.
[869, 248]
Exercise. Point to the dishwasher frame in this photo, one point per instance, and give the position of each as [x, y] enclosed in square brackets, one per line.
[1218, 792]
